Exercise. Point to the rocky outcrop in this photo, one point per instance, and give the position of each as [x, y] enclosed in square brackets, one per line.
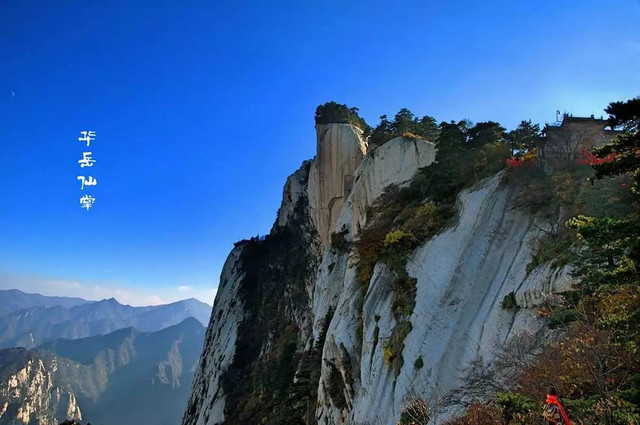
[28, 393]
[147, 375]
[463, 275]
[272, 315]
[207, 400]
[393, 163]
[340, 149]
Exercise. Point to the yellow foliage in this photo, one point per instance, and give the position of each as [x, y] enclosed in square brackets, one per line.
[408, 135]
[397, 237]
[387, 354]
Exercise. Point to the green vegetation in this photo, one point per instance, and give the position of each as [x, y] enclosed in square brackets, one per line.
[551, 247]
[395, 345]
[336, 387]
[339, 241]
[404, 124]
[516, 408]
[418, 364]
[336, 113]
[509, 302]
[524, 138]
[260, 386]
[404, 218]
[595, 365]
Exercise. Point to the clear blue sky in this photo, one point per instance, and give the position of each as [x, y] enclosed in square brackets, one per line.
[202, 109]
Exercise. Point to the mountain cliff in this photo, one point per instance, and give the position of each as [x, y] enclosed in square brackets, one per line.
[367, 293]
[29, 393]
[125, 377]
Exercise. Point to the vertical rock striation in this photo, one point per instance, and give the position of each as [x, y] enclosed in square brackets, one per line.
[28, 394]
[293, 336]
[340, 149]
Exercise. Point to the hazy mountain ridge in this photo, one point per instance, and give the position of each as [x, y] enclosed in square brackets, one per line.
[12, 300]
[49, 318]
[146, 374]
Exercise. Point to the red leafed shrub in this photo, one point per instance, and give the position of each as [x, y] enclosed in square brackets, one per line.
[513, 162]
[587, 158]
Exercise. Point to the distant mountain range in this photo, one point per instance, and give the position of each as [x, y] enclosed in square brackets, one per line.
[125, 377]
[13, 300]
[29, 320]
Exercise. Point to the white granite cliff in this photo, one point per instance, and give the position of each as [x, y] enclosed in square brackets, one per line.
[340, 149]
[30, 396]
[463, 274]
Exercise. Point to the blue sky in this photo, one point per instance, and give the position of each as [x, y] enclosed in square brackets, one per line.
[202, 109]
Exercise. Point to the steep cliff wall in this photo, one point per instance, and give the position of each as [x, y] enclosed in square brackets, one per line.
[340, 148]
[261, 321]
[463, 275]
[207, 401]
[295, 339]
[28, 394]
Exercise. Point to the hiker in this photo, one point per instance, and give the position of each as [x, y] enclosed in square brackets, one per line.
[553, 411]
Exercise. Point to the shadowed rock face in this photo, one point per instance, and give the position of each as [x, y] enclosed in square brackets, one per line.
[462, 274]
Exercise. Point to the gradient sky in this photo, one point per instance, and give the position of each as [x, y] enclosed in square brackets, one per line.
[202, 109]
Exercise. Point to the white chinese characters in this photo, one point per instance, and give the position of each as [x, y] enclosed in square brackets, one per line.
[87, 201]
[87, 136]
[86, 160]
[90, 181]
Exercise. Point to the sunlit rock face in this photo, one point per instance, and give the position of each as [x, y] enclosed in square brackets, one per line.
[28, 394]
[463, 274]
[393, 163]
[340, 149]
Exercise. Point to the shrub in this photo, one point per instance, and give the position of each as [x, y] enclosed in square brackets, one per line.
[551, 247]
[415, 412]
[479, 414]
[387, 354]
[395, 345]
[404, 296]
[408, 135]
[515, 405]
[339, 241]
[397, 239]
[335, 387]
[509, 302]
[418, 364]
[562, 318]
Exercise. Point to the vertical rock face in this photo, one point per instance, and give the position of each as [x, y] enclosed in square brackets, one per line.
[340, 149]
[293, 336]
[28, 394]
[462, 275]
[394, 163]
[262, 312]
[207, 400]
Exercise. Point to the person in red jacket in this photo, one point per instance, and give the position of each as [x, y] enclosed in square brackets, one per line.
[553, 411]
